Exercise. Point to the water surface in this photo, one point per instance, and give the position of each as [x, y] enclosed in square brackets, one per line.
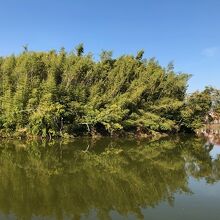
[173, 178]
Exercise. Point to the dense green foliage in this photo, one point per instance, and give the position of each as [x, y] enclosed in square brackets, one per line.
[59, 93]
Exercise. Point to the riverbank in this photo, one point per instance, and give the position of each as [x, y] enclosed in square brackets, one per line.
[22, 134]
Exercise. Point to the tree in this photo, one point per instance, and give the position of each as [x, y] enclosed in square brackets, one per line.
[106, 55]
[52, 93]
[79, 50]
[196, 107]
[139, 55]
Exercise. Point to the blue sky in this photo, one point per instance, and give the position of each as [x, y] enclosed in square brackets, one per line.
[184, 31]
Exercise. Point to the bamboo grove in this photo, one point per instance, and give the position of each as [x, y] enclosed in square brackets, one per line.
[63, 93]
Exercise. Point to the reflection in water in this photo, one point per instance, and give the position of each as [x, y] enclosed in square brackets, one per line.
[71, 180]
[211, 133]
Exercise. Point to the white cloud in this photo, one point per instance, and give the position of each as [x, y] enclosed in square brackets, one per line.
[210, 51]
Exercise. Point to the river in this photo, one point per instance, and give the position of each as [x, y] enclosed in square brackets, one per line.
[172, 178]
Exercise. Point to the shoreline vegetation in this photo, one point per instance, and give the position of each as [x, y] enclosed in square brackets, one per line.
[68, 94]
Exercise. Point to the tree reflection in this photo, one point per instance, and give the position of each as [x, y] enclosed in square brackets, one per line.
[65, 180]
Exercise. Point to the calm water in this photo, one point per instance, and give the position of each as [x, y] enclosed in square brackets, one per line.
[174, 178]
